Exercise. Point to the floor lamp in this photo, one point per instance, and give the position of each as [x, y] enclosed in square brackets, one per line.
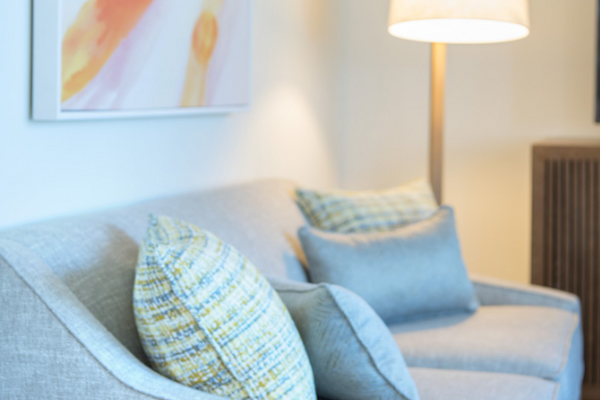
[453, 21]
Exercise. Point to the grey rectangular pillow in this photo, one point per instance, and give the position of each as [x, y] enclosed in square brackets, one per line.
[415, 271]
[352, 353]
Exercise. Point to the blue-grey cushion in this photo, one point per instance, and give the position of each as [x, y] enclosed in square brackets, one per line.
[351, 351]
[416, 271]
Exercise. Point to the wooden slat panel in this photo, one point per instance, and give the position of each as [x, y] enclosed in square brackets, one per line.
[593, 335]
[578, 249]
[585, 214]
[588, 297]
[593, 304]
[548, 276]
[561, 238]
[566, 236]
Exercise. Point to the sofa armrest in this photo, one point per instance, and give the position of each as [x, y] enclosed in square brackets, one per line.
[51, 347]
[497, 292]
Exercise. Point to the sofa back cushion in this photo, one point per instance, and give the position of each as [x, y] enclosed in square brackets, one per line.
[95, 255]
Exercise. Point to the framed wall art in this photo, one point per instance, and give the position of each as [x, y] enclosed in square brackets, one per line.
[115, 58]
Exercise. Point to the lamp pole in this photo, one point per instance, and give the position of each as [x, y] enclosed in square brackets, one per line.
[436, 144]
[441, 22]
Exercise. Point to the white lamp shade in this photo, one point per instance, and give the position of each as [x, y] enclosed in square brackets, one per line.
[459, 21]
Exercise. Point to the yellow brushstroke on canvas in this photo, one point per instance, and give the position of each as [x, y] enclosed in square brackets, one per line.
[91, 40]
[204, 40]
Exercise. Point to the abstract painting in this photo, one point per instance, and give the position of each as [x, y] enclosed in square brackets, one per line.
[140, 57]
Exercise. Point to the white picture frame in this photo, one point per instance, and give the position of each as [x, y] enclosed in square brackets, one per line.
[46, 75]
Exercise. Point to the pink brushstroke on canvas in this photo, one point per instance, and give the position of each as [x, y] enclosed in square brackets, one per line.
[114, 81]
[126, 72]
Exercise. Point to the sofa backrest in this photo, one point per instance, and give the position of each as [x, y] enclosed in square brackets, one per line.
[95, 255]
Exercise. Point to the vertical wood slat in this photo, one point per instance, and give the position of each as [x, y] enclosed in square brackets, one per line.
[548, 233]
[556, 225]
[594, 293]
[594, 318]
[591, 298]
[584, 211]
[561, 239]
[589, 261]
[569, 217]
[566, 235]
[588, 288]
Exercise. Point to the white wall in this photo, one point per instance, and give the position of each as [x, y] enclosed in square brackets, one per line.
[54, 169]
[331, 89]
[500, 99]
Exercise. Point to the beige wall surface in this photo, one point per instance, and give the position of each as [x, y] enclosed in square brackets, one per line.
[500, 99]
[53, 169]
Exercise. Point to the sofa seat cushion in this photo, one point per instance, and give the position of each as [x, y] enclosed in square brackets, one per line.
[537, 341]
[438, 384]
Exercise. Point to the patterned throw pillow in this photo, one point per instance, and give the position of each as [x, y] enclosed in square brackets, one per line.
[208, 319]
[368, 211]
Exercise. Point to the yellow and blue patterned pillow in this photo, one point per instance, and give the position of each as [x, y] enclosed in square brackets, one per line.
[208, 319]
[368, 211]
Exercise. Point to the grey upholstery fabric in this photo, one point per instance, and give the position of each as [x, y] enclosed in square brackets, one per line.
[536, 341]
[352, 353]
[572, 376]
[82, 268]
[415, 271]
[55, 349]
[95, 255]
[497, 292]
[67, 324]
[437, 384]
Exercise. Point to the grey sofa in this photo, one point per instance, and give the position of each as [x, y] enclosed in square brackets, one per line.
[67, 327]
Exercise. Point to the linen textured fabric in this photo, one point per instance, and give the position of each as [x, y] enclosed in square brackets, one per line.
[208, 319]
[438, 384]
[416, 271]
[543, 342]
[367, 211]
[351, 350]
[69, 285]
[497, 292]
